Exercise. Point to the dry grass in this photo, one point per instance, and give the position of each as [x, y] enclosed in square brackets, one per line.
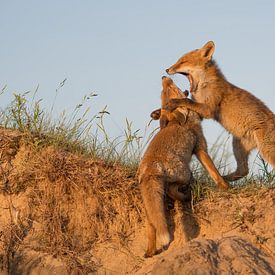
[75, 201]
[80, 185]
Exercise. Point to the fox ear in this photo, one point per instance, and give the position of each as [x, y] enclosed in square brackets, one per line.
[181, 115]
[155, 115]
[208, 49]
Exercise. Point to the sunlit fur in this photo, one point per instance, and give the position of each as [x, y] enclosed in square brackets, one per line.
[165, 164]
[247, 118]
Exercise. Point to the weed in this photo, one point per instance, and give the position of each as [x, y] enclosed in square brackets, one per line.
[81, 182]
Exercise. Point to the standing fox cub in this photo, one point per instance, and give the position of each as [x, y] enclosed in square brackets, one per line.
[165, 164]
[248, 119]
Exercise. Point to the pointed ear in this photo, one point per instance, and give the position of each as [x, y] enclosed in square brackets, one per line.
[181, 115]
[155, 115]
[208, 49]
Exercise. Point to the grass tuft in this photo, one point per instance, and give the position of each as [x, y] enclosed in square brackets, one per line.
[80, 183]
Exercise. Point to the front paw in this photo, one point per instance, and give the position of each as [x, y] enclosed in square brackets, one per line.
[224, 185]
[174, 103]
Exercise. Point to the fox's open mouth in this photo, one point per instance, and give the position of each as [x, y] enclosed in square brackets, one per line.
[190, 79]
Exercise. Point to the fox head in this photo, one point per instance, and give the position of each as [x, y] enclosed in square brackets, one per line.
[193, 64]
[169, 91]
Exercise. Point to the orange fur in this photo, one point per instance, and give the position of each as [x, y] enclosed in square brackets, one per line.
[247, 118]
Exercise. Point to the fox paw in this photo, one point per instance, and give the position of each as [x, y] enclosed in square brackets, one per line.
[233, 176]
[149, 254]
[174, 103]
[224, 185]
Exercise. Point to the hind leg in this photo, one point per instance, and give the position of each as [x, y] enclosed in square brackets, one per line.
[241, 149]
[266, 146]
[268, 155]
[177, 190]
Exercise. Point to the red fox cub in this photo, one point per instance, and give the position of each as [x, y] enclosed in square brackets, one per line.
[247, 118]
[165, 164]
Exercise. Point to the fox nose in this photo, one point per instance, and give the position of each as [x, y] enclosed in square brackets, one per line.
[163, 77]
[167, 70]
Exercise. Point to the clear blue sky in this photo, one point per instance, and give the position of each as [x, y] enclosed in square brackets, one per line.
[120, 50]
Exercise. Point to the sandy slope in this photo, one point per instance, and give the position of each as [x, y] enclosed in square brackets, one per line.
[228, 233]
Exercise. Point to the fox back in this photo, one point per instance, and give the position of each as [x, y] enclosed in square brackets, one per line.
[165, 164]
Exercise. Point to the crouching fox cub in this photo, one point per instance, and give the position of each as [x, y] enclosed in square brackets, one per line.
[165, 164]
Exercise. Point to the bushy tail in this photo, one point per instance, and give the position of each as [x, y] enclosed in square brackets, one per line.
[152, 191]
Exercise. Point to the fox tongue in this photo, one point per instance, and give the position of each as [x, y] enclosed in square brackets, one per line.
[190, 81]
